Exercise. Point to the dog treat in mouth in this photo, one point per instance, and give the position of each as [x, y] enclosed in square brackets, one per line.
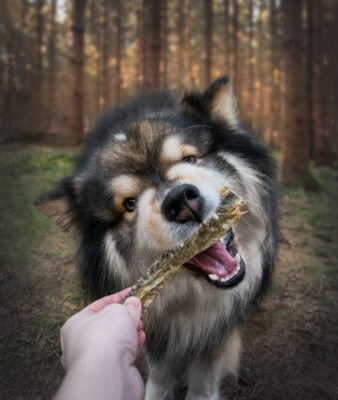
[227, 214]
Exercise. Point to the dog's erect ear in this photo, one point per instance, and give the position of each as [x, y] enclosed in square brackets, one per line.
[218, 102]
[60, 205]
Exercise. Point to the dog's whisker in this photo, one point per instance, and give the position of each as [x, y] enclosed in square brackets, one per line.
[195, 126]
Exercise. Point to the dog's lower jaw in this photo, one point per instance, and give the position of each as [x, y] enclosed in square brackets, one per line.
[204, 377]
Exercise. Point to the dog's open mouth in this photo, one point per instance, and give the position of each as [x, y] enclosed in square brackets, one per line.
[221, 263]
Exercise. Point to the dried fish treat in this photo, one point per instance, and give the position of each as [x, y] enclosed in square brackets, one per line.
[227, 214]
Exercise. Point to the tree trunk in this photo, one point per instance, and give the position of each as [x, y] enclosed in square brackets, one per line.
[119, 45]
[139, 47]
[164, 43]
[95, 30]
[189, 47]
[52, 64]
[151, 44]
[227, 35]
[208, 21]
[275, 78]
[235, 23]
[181, 40]
[309, 74]
[322, 83]
[251, 79]
[295, 166]
[105, 57]
[259, 120]
[77, 64]
[38, 111]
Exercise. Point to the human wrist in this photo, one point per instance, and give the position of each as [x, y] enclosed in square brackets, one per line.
[89, 377]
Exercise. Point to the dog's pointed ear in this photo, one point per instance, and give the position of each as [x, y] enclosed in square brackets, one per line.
[60, 205]
[217, 102]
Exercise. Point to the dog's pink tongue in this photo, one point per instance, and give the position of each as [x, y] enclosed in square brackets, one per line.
[215, 260]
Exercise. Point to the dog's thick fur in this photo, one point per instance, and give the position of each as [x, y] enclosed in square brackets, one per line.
[141, 152]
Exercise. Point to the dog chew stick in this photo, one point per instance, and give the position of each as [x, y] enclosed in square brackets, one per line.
[227, 214]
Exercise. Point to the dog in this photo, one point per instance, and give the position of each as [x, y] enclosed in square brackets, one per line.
[150, 173]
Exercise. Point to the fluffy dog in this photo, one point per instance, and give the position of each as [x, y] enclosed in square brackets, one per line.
[149, 174]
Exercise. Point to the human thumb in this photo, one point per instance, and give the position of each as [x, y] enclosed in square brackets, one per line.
[134, 307]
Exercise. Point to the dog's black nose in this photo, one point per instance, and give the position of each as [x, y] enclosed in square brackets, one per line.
[183, 204]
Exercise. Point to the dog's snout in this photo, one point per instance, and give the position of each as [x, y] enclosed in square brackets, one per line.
[183, 204]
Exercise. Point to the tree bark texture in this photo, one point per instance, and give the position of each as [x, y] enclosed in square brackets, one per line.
[151, 44]
[164, 44]
[181, 39]
[77, 64]
[275, 77]
[118, 49]
[227, 35]
[309, 34]
[251, 74]
[95, 29]
[105, 57]
[295, 167]
[52, 63]
[322, 85]
[208, 21]
[38, 109]
[235, 56]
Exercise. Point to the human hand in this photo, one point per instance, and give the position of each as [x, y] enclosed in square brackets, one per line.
[99, 345]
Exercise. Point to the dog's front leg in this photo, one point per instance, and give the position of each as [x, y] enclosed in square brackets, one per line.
[205, 375]
[161, 383]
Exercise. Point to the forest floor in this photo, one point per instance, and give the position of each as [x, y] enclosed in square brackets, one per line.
[290, 340]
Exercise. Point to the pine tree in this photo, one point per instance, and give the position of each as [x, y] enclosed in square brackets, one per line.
[295, 167]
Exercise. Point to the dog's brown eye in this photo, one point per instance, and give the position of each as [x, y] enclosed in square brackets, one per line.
[129, 204]
[190, 159]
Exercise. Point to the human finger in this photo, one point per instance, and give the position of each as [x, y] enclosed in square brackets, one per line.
[134, 307]
[100, 304]
[141, 339]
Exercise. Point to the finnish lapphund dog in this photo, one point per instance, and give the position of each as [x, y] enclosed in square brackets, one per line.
[150, 173]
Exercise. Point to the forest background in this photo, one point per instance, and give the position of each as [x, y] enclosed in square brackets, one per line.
[64, 62]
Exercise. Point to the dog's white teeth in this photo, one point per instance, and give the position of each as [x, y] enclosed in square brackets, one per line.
[238, 259]
[214, 277]
[224, 279]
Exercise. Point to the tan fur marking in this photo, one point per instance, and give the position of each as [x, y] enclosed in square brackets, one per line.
[188, 150]
[184, 173]
[223, 106]
[171, 149]
[129, 216]
[174, 150]
[151, 227]
[124, 186]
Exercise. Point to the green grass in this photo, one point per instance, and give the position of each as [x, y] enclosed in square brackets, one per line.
[286, 312]
[311, 269]
[35, 256]
[275, 286]
[25, 173]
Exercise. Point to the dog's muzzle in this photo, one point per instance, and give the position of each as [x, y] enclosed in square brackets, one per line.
[220, 264]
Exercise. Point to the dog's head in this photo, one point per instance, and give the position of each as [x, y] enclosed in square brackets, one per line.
[150, 174]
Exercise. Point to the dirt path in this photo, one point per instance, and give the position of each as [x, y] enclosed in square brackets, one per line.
[290, 341]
